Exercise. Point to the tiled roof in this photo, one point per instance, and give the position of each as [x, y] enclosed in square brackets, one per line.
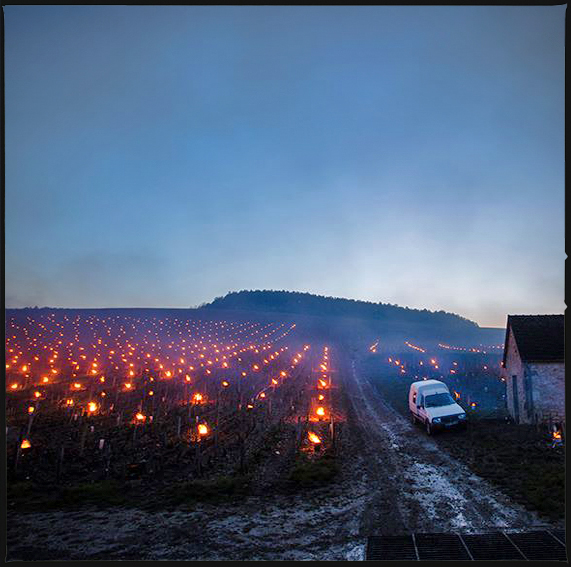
[539, 338]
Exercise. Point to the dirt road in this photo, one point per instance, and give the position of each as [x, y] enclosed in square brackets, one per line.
[419, 487]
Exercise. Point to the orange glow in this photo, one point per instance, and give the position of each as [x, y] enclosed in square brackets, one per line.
[320, 397]
[69, 402]
[92, 407]
[197, 398]
[202, 429]
[225, 384]
[14, 386]
[45, 379]
[37, 394]
[128, 385]
[25, 444]
[77, 385]
[313, 437]
[140, 417]
[31, 409]
[320, 411]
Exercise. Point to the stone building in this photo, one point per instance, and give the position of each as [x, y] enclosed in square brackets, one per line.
[533, 368]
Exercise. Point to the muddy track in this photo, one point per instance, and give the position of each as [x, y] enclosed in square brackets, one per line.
[420, 487]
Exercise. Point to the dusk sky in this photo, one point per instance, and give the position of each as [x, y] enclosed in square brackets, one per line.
[163, 156]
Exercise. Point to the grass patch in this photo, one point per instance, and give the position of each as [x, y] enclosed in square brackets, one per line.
[220, 489]
[309, 473]
[30, 497]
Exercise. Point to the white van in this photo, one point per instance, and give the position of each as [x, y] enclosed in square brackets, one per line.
[430, 403]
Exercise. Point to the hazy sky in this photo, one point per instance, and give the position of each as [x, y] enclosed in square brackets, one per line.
[162, 156]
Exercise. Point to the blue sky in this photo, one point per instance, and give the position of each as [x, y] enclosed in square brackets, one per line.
[162, 156]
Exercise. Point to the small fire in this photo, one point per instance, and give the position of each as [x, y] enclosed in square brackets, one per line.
[197, 398]
[313, 437]
[31, 409]
[14, 386]
[128, 385]
[556, 435]
[140, 417]
[320, 397]
[25, 444]
[92, 407]
[202, 429]
[320, 411]
[225, 384]
[69, 402]
[45, 379]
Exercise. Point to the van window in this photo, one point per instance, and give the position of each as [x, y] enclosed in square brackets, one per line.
[437, 400]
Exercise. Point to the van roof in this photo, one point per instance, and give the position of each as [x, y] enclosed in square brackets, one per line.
[426, 383]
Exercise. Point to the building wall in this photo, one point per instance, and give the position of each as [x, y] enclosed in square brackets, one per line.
[548, 383]
[513, 367]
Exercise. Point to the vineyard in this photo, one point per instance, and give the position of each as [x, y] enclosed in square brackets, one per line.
[151, 402]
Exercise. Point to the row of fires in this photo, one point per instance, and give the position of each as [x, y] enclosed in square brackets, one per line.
[202, 430]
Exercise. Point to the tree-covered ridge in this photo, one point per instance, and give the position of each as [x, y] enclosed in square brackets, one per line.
[319, 305]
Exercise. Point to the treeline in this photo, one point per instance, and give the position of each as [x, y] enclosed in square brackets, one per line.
[322, 306]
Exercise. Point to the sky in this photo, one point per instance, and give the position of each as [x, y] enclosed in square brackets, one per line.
[164, 156]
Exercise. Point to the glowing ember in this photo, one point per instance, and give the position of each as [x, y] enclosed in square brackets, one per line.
[313, 437]
[320, 411]
[202, 429]
[92, 407]
[197, 398]
[140, 417]
[25, 444]
[31, 409]
[225, 384]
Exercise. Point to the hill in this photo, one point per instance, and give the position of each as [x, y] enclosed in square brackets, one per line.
[367, 317]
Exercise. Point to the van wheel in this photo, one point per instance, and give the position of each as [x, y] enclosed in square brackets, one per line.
[428, 428]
